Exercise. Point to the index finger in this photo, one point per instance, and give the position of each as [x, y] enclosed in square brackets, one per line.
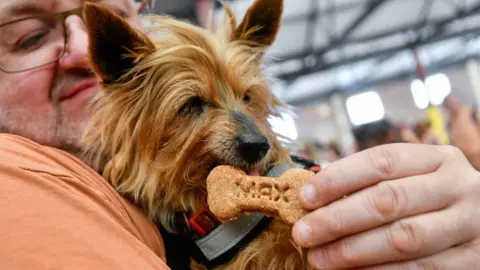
[452, 105]
[367, 168]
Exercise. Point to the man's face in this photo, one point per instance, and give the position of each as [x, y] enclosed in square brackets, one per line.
[49, 104]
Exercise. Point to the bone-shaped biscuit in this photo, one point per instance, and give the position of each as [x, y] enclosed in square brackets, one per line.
[231, 192]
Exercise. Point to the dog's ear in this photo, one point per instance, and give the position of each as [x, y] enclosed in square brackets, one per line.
[261, 22]
[114, 45]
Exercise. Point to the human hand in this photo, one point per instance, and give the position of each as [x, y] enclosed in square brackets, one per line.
[464, 131]
[407, 206]
[407, 135]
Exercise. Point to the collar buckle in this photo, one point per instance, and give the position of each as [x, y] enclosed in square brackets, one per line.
[203, 222]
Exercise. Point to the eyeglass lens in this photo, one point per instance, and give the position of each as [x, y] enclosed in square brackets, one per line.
[31, 43]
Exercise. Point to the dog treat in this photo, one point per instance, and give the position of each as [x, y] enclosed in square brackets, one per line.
[231, 192]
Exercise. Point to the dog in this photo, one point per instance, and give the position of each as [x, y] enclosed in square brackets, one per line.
[170, 109]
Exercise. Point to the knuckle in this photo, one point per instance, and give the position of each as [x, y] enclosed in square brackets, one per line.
[474, 253]
[408, 267]
[404, 238]
[461, 181]
[330, 178]
[383, 159]
[334, 223]
[416, 265]
[452, 151]
[388, 201]
[341, 254]
[425, 265]
[470, 182]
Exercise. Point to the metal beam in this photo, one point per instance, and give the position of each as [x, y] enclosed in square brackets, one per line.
[404, 29]
[289, 76]
[370, 8]
[311, 25]
[416, 27]
[435, 67]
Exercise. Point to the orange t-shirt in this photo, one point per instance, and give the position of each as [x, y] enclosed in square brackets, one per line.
[57, 213]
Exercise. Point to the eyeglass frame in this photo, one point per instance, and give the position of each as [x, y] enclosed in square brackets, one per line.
[59, 15]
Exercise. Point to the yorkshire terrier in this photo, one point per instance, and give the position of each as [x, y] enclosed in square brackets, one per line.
[172, 108]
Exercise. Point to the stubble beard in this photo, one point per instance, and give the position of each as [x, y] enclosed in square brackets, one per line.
[52, 127]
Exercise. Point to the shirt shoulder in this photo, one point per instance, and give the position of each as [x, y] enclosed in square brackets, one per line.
[59, 193]
[26, 154]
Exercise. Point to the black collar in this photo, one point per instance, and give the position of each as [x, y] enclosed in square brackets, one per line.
[210, 242]
[222, 244]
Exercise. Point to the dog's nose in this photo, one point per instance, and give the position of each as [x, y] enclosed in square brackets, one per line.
[252, 147]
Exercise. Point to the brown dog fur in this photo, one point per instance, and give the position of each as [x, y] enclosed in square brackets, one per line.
[164, 115]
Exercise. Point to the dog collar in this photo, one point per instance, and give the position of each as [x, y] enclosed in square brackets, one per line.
[216, 243]
[228, 236]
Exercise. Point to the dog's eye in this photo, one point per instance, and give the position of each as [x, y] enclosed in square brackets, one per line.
[247, 98]
[194, 106]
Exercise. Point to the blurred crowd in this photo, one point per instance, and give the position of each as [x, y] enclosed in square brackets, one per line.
[463, 128]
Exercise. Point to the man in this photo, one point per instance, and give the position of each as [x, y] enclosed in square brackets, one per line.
[465, 130]
[56, 213]
[47, 103]
[410, 203]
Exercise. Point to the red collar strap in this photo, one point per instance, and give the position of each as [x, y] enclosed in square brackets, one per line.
[203, 222]
[315, 168]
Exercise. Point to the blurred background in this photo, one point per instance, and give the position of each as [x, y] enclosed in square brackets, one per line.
[359, 73]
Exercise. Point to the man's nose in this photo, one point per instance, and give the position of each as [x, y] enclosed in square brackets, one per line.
[76, 48]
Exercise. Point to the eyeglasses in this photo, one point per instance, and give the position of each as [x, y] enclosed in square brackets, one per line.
[35, 41]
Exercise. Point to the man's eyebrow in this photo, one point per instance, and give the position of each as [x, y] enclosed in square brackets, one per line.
[16, 11]
[94, 1]
[125, 3]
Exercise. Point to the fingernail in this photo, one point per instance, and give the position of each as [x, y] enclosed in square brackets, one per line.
[304, 232]
[309, 193]
[318, 257]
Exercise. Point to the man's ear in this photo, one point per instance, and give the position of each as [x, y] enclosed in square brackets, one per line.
[114, 45]
[261, 22]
